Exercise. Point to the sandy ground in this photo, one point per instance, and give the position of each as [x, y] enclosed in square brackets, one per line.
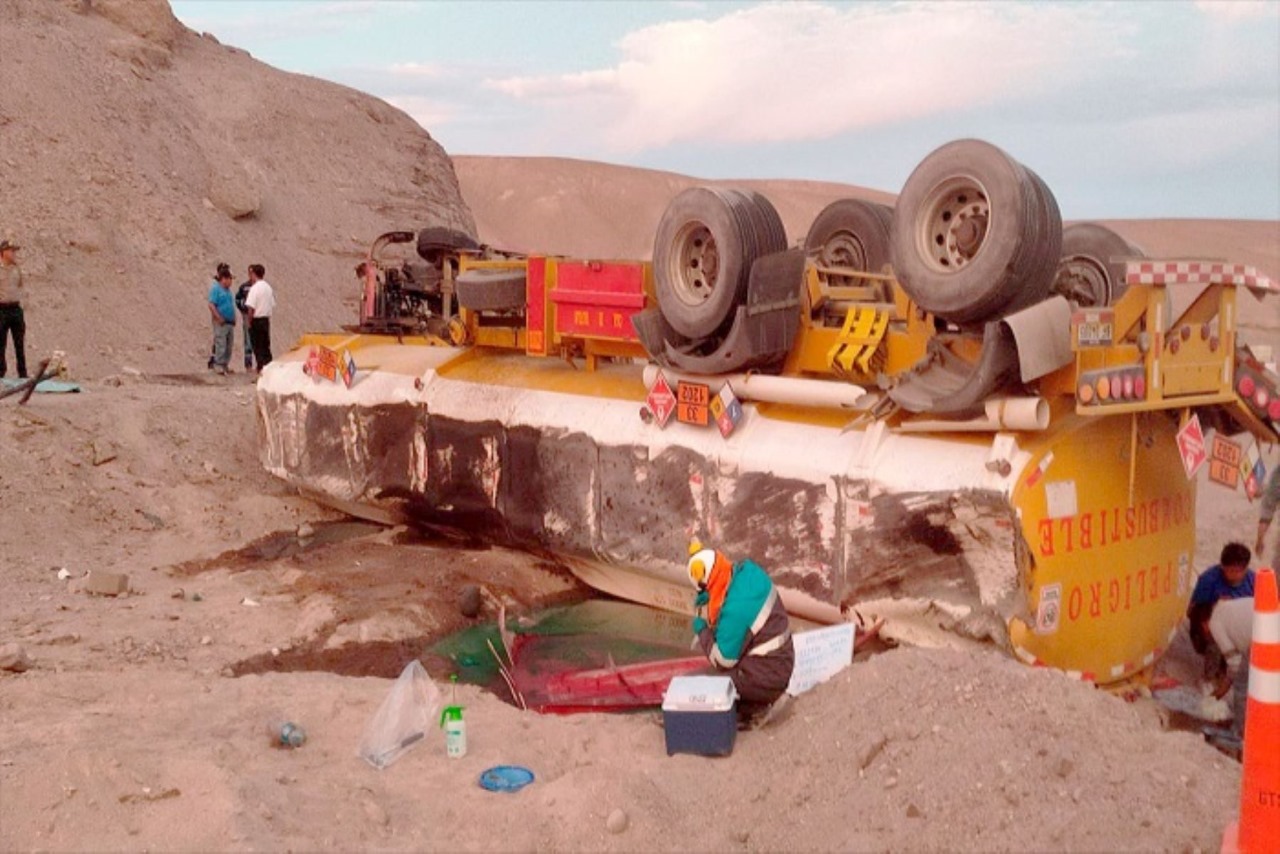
[140, 725]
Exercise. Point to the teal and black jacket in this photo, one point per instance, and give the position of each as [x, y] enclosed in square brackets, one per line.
[752, 634]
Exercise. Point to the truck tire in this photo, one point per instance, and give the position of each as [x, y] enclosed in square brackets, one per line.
[974, 233]
[851, 233]
[774, 233]
[491, 290]
[1091, 271]
[438, 239]
[700, 262]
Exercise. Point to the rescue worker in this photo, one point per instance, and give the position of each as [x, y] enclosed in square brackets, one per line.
[742, 628]
[1231, 626]
[1230, 578]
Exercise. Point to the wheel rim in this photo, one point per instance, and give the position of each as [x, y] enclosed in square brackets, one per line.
[694, 265]
[844, 249]
[954, 225]
[1084, 282]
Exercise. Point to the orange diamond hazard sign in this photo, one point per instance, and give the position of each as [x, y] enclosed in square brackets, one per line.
[1191, 446]
[661, 400]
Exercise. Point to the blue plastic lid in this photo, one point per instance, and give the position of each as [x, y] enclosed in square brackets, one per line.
[506, 778]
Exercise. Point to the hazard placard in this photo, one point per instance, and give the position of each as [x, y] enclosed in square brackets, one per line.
[693, 403]
[661, 400]
[726, 409]
[1224, 461]
[348, 368]
[322, 363]
[1254, 480]
[1191, 446]
[1224, 464]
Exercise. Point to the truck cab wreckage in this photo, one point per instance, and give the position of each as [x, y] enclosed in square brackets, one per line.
[955, 415]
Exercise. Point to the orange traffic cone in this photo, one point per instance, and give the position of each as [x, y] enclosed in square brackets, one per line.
[1259, 827]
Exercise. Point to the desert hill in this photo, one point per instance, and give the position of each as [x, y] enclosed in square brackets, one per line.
[168, 151]
[135, 154]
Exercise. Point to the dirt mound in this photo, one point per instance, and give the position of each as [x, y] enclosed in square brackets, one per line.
[135, 154]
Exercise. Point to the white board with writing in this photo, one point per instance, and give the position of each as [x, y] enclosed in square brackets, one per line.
[820, 654]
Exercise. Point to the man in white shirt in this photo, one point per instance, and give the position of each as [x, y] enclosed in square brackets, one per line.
[260, 304]
[1232, 628]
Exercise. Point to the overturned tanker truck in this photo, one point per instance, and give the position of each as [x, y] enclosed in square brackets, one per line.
[954, 414]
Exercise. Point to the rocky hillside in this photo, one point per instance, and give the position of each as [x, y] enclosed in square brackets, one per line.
[135, 154]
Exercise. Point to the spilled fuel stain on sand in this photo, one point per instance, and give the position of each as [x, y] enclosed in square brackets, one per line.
[278, 545]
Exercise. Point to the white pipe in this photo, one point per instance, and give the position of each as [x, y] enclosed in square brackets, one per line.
[771, 389]
[1002, 413]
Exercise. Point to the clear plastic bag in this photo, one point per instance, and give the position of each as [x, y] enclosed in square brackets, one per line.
[405, 717]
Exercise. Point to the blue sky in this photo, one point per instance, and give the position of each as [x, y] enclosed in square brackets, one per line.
[1126, 109]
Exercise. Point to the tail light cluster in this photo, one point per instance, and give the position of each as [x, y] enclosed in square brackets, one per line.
[1258, 390]
[1114, 385]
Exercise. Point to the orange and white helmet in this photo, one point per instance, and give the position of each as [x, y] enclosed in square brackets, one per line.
[701, 563]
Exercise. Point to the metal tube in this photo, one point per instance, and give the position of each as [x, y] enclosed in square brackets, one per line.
[770, 389]
[1002, 413]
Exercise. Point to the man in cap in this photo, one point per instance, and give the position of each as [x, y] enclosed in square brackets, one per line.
[222, 268]
[742, 628]
[222, 311]
[12, 320]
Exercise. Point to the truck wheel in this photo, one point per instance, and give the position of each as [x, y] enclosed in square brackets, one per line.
[436, 240]
[1091, 272]
[974, 232]
[774, 234]
[700, 262]
[853, 234]
[491, 290]
[707, 240]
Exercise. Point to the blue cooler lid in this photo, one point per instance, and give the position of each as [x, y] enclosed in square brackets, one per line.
[699, 694]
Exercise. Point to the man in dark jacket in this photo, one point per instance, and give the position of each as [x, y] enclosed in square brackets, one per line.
[241, 294]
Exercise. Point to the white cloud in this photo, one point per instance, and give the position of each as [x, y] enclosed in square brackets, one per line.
[417, 70]
[1238, 10]
[430, 113]
[1194, 139]
[806, 70]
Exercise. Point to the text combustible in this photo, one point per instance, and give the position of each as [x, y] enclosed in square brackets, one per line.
[1099, 528]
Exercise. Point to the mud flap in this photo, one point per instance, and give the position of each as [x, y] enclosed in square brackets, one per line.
[1043, 337]
[761, 334]
[946, 384]
[1025, 345]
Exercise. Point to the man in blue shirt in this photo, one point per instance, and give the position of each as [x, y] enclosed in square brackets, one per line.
[223, 267]
[222, 313]
[1230, 578]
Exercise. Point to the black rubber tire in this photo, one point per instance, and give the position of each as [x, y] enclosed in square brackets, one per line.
[775, 234]
[700, 259]
[974, 233]
[491, 290]
[1092, 269]
[851, 233]
[436, 239]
